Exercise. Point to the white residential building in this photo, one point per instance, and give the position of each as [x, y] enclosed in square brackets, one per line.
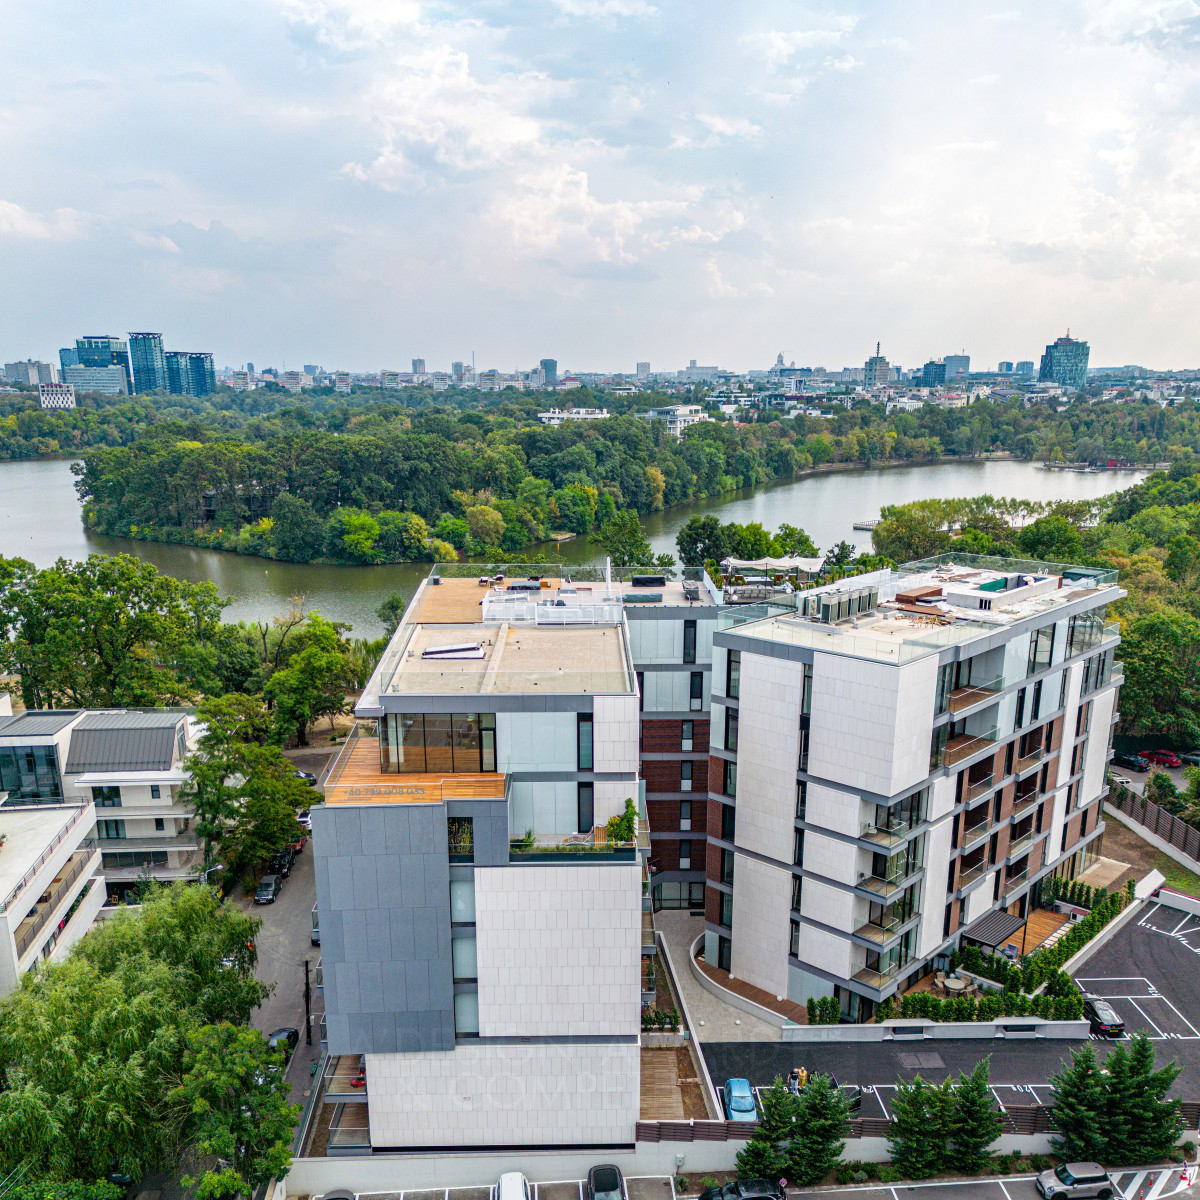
[678, 417]
[904, 755]
[56, 395]
[556, 416]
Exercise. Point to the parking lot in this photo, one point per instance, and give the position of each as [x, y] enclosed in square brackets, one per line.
[645, 1187]
[1149, 971]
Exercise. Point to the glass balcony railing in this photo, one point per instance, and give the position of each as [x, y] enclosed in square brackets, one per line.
[877, 977]
[1019, 845]
[884, 930]
[888, 886]
[974, 833]
[1028, 801]
[1016, 879]
[981, 788]
[964, 745]
[971, 694]
[968, 875]
[885, 833]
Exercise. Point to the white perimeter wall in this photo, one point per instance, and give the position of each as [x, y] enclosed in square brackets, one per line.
[511, 1095]
[558, 949]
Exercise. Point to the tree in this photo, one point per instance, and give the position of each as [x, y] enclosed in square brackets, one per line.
[763, 1157]
[486, 524]
[840, 556]
[297, 534]
[351, 534]
[1078, 1109]
[237, 1111]
[313, 684]
[701, 539]
[622, 539]
[390, 611]
[921, 1124]
[106, 632]
[1161, 653]
[974, 1124]
[821, 1124]
[791, 540]
[1155, 1120]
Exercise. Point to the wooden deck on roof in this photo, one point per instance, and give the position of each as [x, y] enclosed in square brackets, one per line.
[454, 602]
[1040, 925]
[661, 1094]
[796, 1013]
[359, 780]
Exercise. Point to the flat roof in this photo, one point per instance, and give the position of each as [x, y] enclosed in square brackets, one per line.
[37, 723]
[524, 659]
[29, 832]
[359, 779]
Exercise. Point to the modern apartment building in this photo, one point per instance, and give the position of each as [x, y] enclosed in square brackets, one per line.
[103, 354]
[106, 381]
[30, 371]
[678, 417]
[895, 757]
[190, 373]
[56, 395]
[1065, 362]
[481, 930]
[126, 766]
[149, 362]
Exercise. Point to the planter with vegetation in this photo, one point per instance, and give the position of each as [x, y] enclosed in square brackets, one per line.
[658, 1020]
[823, 1010]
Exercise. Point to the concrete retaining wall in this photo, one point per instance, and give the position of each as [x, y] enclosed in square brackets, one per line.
[733, 999]
[1177, 900]
[923, 1030]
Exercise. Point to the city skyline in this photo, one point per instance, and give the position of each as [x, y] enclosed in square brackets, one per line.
[581, 179]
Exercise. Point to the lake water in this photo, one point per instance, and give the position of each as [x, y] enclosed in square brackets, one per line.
[39, 520]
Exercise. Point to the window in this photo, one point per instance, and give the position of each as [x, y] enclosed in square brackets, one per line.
[686, 734]
[462, 902]
[724, 953]
[685, 856]
[689, 641]
[727, 859]
[726, 915]
[794, 940]
[731, 729]
[945, 685]
[463, 956]
[586, 807]
[806, 690]
[797, 847]
[110, 831]
[159, 825]
[451, 742]
[466, 1014]
[106, 797]
[733, 674]
[155, 792]
[696, 691]
[728, 822]
[1019, 719]
[1083, 719]
[685, 814]
[1009, 751]
[29, 773]
[685, 776]
[803, 757]
[1035, 709]
[460, 833]
[797, 892]
[1062, 691]
[801, 799]
[135, 858]
[641, 684]
[1041, 649]
[583, 738]
[729, 783]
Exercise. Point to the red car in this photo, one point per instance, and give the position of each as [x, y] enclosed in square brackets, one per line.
[297, 847]
[1163, 758]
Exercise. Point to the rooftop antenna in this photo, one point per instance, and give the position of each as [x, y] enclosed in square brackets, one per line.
[876, 349]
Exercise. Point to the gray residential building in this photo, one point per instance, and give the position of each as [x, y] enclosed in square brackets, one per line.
[31, 371]
[149, 362]
[101, 353]
[106, 381]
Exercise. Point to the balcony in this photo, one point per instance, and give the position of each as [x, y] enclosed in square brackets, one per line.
[888, 886]
[970, 875]
[167, 841]
[973, 834]
[980, 788]
[964, 745]
[883, 931]
[876, 978]
[349, 1130]
[84, 861]
[345, 1079]
[581, 847]
[1022, 804]
[971, 694]
[888, 833]
[1025, 761]
[1016, 879]
[1019, 845]
[319, 976]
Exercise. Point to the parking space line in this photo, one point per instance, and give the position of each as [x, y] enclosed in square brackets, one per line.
[1004, 1190]
[998, 1100]
[1150, 912]
[887, 1116]
[1180, 1016]
[1137, 1181]
[1145, 1017]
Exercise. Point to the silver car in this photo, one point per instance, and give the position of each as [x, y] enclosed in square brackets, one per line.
[1075, 1179]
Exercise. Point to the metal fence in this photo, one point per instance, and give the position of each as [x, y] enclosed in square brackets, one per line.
[1157, 820]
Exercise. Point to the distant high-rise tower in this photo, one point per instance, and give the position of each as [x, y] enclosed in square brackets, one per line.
[878, 369]
[1024, 367]
[1005, 368]
[99, 352]
[643, 370]
[149, 362]
[418, 366]
[190, 373]
[550, 371]
[457, 370]
[249, 368]
[958, 366]
[933, 373]
[1065, 362]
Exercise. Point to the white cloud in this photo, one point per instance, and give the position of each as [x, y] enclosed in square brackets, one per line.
[778, 46]
[845, 62]
[606, 8]
[63, 224]
[351, 24]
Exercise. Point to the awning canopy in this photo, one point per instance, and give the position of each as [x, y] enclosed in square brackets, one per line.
[807, 566]
[993, 930]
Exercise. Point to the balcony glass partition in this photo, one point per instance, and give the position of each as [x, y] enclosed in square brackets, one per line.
[433, 743]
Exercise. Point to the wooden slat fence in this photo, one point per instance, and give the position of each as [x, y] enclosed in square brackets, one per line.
[1155, 818]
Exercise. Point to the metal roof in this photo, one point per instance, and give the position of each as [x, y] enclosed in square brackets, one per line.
[129, 741]
[37, 723]
[994, 929]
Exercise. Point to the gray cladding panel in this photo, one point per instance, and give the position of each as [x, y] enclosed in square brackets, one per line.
[383, 894]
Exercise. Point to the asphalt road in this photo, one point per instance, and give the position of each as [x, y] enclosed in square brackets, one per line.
[1153, 1184]
[283, 948]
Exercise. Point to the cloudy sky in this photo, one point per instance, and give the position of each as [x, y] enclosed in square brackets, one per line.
[357, 182]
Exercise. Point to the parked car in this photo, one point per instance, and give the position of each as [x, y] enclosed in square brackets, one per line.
[1070, 1180]
[512, 1185]
[1103, 1018]
[739, 1101]
[269, 888]
[1162, 758]
[307, 776]
[1190, 757]
[1131, 762]
[281, 863]
[286, 1039]
[297, 847]
[305, 819]
[744, 1189]
[605, 1183]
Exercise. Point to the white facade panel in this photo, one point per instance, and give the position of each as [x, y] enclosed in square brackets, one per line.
[834, 859]
[536, 741]
[933, 889]
[768, 753]
[980, 900]
[559, 949]
[513, 1095]
[827, 951]
[1096, 756]
[615, 733]
[831, 808]
[762, 898]
[830, 906]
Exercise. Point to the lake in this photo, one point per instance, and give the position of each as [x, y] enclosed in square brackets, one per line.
[40, 521]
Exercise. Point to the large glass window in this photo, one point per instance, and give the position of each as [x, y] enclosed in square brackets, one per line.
[733, 674]
[685, 775]
[110, 830]
[584, 742]
[729, 786]
[685, 815]
[1041, 649]
[728, 822]
[466, 1014]
[445, 743]
[29, 773]
[727, 859]
[689, 641]
[462, 901]
[685, 856]
[686, 734]
[587, 807]
[806, 690]
[462, 953]
[106, 797]
[731, 729]
[726, 917]
[696, 691]
[461, 838]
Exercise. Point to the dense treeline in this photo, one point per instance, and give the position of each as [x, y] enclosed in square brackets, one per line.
[391, 481]
[1150, 533]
